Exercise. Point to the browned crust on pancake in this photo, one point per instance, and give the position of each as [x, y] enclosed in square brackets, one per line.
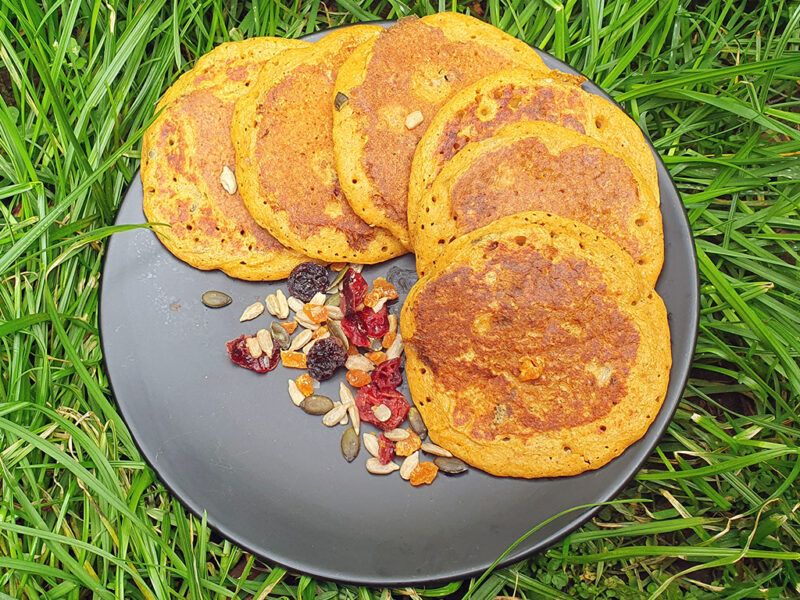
[415, 65]
[282, 133]
[539, 286]
[183, 154]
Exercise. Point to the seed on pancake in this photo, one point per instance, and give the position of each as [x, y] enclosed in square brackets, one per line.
[295, 394]
[396, 349]
[253, 347]
[350, 444]
[215, 299]
[531, 368]
[334, 415]
[295, 304]
[301, 339]
[339, 99]
[317, 404]
[264, 338]
[280, 335]
[382, 412]
[375, 467]
[408, 465]
[228, 180]
[416, 422]
[283, 305]
[359, 361]
[396, 434]
[413, 119]
[451, 466]
[371, 443]
[431, 448]
[336, 331]
[252, 311]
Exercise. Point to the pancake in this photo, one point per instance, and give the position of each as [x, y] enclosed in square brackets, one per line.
[184, 152]
[506, 97]
[415, 65]
[533, 165]
[537, 350]
[284, 155]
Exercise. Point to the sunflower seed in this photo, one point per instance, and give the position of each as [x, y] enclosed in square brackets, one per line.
[375, 467]
[356, 267]
[306, 322]
[335, 313]
[416, 422]
[283, 305]
[432, 448]
[352, 410]
[392, 323]
[345, 395]
[253, 347]
[280, 335]
[360, 362]
[396, 349]
[228, 180]
[339, 100]
[344, 420]
[317, 404]
[301, 339]
[265, 341]
[295, 394]
[382, 412]
[379, 304]
[336, 330]
[451, 466]
[350, 444]
[371, 444]
[215, 299]
[333, 416]
[272, 305]
[333, 300]
[337, 280]
[413, 119]
[397, 434]
[295, 304]
[409, 464]
[252, 311]
[318, 299]
[309, 345]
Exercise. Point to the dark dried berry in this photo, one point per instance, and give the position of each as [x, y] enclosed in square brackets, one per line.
[238, 352]
[387, 375]
[376, 324]
[354, 331]
[370, 396]
[325, 357]
[354, 289]
[385, 449]
[307, 279]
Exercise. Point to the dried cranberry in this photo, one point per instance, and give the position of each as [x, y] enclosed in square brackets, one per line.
[325, 357]
[387, 375]
[376, 324]
[370, 396]
[237, 350]
[354, 289]
[354, 331]
[306, 279]
[385, 449]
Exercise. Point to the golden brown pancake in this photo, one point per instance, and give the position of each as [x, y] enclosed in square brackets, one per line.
[533, 165]
[506, 97]
[284, 155]
[537, 349]
[415, 65]
[184, 152]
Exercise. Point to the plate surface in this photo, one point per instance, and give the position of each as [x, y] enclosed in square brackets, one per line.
[230, 442]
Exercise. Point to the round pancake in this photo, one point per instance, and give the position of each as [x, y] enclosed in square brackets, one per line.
[183, 155]
[533, 165]
[536, 289]
[506, 97]
[284, 155]
[415, 65]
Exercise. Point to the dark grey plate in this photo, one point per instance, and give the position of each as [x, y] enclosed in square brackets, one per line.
[229, 442]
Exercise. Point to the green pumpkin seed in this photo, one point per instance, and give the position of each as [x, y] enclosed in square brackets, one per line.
[416, 422]
[334, 300]
[215, 299]
[279, 335]
[350, 444]
[450, 466]
[339, 99]
[335, 329]
[337, 280]
[317, 404]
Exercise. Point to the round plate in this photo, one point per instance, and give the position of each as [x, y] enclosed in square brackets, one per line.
[230, 443]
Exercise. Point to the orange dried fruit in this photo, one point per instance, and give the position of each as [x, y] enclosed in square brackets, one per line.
[376, 357]
[338, 266]
[409, 445]
[352, 349]
[389, 339]
[289, 326]
[320, 332]
[530, 368]
[424, 473]
[305, 384]
[380, 289]
[293, 360]
[358, 378]
[316, 313]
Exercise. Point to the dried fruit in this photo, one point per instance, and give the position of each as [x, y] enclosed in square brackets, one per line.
[338, 266]
[307, 279]
[317, 404]
[451, 466]
[416, 422]
[376, 357]
[280, 335]
[321, 332]
[239, 354]
[409, 445]
[389, 338]
[371, 396]
[387, 375]
[353, 291]
[350, 444]
[264, 338]
[355, 332]
[380, 289]
[289, 326]
[385, 449]
[425, 473]
[396, 349]
[358, 378]
[432, 448]
[305, 384]
[375, 467]
[408, 465]
[531, 368]
[252, 311]
[359, 361]
[215, 299]
[301, 339]
[293, 360]
[325, 357]
[376, 324]
[316, 313]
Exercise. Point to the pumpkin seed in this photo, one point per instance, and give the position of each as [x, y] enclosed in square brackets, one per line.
[432, 448]
[409, 464]
[215, 299]
[333, 300]
[360, 362]
[253, 347]
[283, 305]
[396, 349]
[451, 466]
[228, 180]
[252, 311]
[371, 444]
[350, 444]
[339, 100]
[334, 415]
[335, 313]
[301, 339]
[337, 280]
[382, 412]
[416, 422]
[265, 341]
[397, 434]
[317, 404]
[318, 299]
[280, 335]
[295, 394]
[335, 328]
[375, 467]
[295, 304]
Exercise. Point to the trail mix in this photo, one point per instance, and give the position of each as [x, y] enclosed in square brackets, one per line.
[332, 323]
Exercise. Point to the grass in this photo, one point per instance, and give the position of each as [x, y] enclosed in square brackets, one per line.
[715, 84]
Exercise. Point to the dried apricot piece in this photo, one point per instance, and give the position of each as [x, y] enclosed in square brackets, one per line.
[376, 357]
[305, 384]
[338, 266]
[409, 445]
[352, 349]
[320, 332]
[380, 289]
[389, 339]
[358, 378]
[424, 473]
[316, 313]
[289, 326]
[530, 368]
[293, 360]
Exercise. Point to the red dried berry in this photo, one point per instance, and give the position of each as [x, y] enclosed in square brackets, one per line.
[354, 331]
[238, 353]
[387, 375]
[376, 324]
[325, 357]
[306, 279]
[370, 396]
[354, 289]
[385, 449]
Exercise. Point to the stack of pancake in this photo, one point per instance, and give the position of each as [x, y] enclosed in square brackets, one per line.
[535, 342]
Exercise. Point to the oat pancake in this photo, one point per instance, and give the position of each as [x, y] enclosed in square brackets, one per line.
[533, 165]
[415, 65]
[183, 154]
[506, 97]
[284, 155]
[537, 350]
